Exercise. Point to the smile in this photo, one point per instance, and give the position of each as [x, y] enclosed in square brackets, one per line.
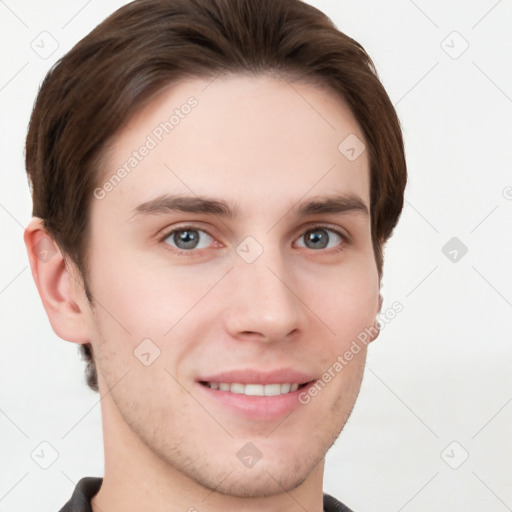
[255, 389]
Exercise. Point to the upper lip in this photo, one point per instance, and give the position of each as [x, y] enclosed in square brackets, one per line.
[253, 376]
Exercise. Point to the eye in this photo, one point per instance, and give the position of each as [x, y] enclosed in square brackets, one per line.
[321, 237]
[188, 238]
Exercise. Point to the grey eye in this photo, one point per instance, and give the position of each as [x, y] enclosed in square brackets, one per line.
[320, 238]
[188, 239]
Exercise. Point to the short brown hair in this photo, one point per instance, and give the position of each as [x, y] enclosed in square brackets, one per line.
[90, 93]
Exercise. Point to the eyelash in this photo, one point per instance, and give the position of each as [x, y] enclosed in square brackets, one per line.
[198, 252]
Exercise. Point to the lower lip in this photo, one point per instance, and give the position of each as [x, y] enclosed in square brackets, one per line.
[257, 407]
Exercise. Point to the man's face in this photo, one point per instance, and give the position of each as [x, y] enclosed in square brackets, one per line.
[182, 296]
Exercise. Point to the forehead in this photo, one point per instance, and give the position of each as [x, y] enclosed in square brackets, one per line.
[255, 140]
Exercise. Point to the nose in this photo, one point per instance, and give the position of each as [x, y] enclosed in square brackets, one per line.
[263, 304]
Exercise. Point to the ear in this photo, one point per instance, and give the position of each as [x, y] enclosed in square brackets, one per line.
[60, 292]
[375, 328]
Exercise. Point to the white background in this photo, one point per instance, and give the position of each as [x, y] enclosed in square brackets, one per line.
[440, 371]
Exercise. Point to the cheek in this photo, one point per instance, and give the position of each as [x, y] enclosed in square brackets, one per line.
[143, 308]
[139, 299]
[345, 299]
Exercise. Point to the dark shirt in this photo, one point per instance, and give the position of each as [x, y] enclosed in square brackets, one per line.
[88, 486]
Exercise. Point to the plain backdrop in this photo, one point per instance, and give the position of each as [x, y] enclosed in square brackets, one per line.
[432, 427]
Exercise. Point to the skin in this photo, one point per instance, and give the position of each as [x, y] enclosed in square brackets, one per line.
[254, 142]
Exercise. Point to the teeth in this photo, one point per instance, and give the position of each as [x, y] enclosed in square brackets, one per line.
[285, 388]
[272, 389]
[255, 389]
[236, 388]
[252, 389]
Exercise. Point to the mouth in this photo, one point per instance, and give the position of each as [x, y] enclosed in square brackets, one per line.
[273, 389]
[254, 394]
[255, 401]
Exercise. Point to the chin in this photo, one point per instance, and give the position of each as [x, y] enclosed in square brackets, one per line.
[260, 483]
[270, 476]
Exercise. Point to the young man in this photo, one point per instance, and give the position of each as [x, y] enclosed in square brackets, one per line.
[213, 184]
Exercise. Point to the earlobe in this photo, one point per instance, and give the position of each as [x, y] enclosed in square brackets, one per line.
[59, 292]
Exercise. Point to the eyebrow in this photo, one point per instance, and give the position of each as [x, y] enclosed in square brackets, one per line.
[196, 204]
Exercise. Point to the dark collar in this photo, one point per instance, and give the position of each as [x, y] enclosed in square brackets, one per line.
[88, 486]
